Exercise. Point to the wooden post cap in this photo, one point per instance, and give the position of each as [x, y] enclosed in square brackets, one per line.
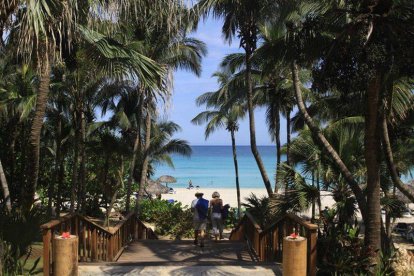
[294, 256]
[65, 255]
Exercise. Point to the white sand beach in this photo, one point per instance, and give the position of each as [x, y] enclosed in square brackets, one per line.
[229, 196]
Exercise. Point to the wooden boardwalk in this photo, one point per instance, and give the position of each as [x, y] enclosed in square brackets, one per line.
[181, 258]
[173, 252]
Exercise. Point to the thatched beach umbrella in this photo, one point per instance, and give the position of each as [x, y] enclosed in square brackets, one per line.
[402, 197]
[167, 179]
[155, 188]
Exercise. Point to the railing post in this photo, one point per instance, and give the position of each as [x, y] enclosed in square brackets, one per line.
[312, 239]
[94, 245]
[47, 237]
[109, 249]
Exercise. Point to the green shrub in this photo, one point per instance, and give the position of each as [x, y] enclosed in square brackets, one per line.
[18, 231]
[170, 218]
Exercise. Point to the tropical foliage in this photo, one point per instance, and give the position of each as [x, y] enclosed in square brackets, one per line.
[83, 83]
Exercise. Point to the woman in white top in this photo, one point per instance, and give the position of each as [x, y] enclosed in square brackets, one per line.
[216, 205]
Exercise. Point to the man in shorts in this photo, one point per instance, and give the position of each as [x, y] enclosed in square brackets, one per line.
[199, 218]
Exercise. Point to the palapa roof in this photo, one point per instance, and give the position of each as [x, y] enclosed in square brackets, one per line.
[167, 179]
[154, 187]
[402, 197]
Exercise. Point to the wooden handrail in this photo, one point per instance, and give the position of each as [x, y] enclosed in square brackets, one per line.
[120, 224]
[253, 221]
[267, 244]
[96, 243]
[55, 222]
[307, 225]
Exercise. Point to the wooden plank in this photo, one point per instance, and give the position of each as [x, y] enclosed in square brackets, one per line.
[47, 238]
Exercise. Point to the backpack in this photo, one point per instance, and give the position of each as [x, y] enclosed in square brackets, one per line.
[202, 208]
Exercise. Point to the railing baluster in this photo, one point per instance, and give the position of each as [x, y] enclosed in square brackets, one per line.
[95, 242]
[268, 243]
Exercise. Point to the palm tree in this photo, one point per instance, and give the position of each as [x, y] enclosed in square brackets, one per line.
[242, 18]
[36, 35]
[38, 28]
[222, 117]
[370, 35]
[300, 195]
[172, 51]
[162, 145]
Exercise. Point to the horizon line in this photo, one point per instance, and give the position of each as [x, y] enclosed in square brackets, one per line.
[228, 145]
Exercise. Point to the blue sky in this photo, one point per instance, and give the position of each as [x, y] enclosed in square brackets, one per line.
[187, 87]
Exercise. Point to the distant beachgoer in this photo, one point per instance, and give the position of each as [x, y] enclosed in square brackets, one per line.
[190, 185]
[216, 206]
[325, 214]
[225, 212]
[199, 206]
[197, 187]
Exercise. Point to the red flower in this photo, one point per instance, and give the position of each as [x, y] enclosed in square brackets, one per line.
[294, 235]
[66, 235]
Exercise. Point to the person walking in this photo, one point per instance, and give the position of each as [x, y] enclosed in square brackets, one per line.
[216, 206]
[199, 206]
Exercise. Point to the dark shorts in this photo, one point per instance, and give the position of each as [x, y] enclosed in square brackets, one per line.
[200, 224]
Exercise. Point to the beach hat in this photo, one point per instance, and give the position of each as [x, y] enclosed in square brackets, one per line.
[199, 194]
[215, 194]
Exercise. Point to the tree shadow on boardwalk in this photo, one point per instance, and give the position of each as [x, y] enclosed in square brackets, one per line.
[160, 257]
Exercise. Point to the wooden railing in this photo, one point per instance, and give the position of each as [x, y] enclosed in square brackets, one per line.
[96, 243]
[268, 243]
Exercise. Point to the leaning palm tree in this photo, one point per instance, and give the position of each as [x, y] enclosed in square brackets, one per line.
[242, 18]
[222, 117]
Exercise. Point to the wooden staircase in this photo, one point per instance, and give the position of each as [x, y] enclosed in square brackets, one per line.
[132, 247]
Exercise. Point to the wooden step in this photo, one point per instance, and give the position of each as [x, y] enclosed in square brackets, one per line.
[159, 251]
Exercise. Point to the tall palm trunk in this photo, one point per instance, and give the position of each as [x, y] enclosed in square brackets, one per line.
[35, 130]
[278, 145]
[372, 160]
[57, 166]
[318, 186]
[82, 167]
[144, 170]
[60, 186]
[23, 141]
[12, 149]
[137, 147]
[75, 162]
[5, 188]
[313, 199]
[288, 135]
[320, 138]
[236, 169]
[253, 146]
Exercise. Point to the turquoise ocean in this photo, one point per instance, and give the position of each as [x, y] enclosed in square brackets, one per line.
[213, 167]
